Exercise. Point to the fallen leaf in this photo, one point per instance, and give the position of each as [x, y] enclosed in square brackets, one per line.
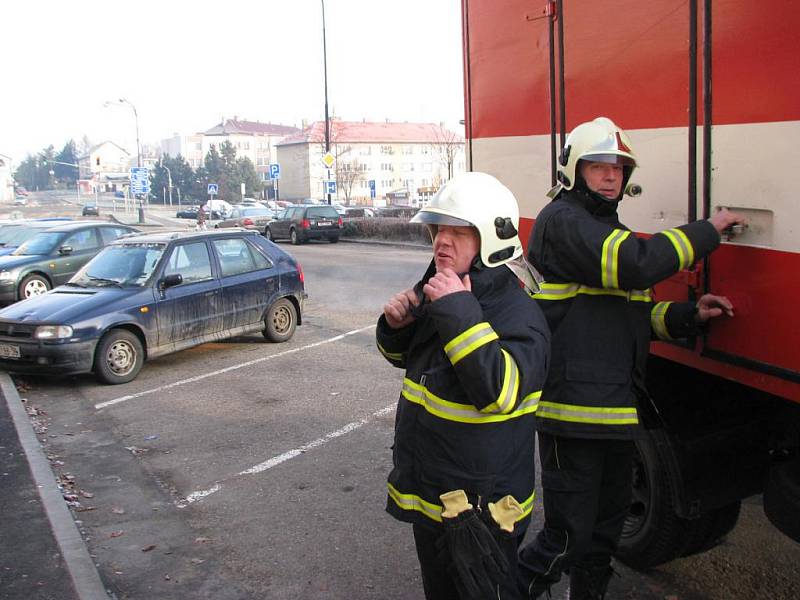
[148, 548]
[115, 534]
[86, 494]
[117, 510]
[201, 540]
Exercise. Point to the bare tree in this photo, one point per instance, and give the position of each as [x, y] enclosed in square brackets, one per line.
[348, 173]
[447, 145]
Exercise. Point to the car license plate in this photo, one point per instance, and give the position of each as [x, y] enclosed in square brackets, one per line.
[323, 223]
[9, 351]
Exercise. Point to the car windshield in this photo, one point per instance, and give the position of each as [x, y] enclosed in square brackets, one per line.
[42, 243]
[14, 235]
[120, 264]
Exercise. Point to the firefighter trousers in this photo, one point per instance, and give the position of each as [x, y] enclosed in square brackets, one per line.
[586, 489]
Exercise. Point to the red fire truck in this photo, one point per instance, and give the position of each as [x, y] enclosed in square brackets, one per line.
[708, 91]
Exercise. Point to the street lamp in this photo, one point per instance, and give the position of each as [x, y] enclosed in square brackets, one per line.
[169, 175]
[327, 120]
[138, 147]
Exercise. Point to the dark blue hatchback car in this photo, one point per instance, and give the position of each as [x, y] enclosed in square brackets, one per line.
[151, 294]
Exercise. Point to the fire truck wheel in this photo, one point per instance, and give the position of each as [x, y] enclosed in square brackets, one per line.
[710, 529]
[653, 534]
[782, 498]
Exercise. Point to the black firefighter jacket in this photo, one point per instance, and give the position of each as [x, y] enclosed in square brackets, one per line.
[474, 367]
[601, 310]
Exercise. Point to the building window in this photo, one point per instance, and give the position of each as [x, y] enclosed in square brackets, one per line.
[387, 150]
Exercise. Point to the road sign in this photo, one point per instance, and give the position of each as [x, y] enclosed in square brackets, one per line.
[328, 160]
[371, 188]
[213, 189]
[274, 171]
[330, 187]
[140, 180]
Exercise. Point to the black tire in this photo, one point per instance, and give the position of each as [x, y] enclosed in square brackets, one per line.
[119, 357]
[333, 239]
[281, 321]
[711, 528]
[33, 285]
[294, 237]
[782, 498]
[268, 233]
[653, 533]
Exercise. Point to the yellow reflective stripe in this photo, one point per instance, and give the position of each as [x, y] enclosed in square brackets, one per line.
[564, 291]
[462, 413]
[609, 260]
[508, 394]
[469, 341]
[434, 511]
[414, 502]
[587, 414]
[683, 247]
[390, 355]
[657, 320]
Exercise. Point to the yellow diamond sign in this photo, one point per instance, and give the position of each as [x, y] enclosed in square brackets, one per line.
[328, 160]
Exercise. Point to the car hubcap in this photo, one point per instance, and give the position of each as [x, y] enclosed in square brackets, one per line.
[121, 357]
[282, 319]
[35, 288]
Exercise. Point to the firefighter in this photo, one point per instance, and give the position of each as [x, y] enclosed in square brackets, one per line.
[474, 347]
[600, 308]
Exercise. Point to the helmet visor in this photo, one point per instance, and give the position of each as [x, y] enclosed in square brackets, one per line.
[435, 218]
[612, 159]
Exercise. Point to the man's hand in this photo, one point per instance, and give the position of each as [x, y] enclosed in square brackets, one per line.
[723, 218]
[446, 282]
[710, 306]
[398, 310]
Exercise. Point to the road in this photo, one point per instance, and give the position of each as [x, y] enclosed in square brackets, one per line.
[250, 470]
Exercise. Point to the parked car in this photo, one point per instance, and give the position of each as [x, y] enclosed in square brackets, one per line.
[152, 294]
[249, 217]
[51, 257]
[13, 235]
[20, 200]
[91, 210]
[302, 223]
[191, 213]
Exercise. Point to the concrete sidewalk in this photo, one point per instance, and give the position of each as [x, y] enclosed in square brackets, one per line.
[42, 554]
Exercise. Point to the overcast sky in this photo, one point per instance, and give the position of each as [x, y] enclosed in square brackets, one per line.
[185, 65]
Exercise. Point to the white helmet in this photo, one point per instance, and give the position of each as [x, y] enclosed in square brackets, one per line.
[479, 200]
[596, 141]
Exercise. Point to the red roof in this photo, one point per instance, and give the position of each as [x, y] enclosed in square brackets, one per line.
[375, 133]
[232, 126]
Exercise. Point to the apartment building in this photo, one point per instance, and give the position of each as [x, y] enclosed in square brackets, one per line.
[252, 139]
[401, 162]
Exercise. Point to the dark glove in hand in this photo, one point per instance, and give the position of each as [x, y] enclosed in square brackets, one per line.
[475, 561]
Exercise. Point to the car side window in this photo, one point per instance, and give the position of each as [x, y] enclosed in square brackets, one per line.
[109, 234]
[82, 240]
[191, 261]
[261, 261]
[234, 256]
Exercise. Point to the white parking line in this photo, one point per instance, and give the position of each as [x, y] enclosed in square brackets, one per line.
[107, 403]
[276, 460]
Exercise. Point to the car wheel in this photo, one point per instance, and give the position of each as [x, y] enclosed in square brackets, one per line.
[33, 285]
[333, 239]
[281, 321]
[295, 239]
[119, 357]
[268, 233]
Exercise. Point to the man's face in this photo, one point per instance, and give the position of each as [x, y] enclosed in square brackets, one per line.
[603, 178]
[455, 247]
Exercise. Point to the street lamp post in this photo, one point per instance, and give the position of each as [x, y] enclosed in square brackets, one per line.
[138, 148]
[169, 176]
[327, 120]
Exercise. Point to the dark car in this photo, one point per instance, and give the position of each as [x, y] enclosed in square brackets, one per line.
[249, 217]
[52, 256]
[192, 211]
[307, 222]
[152, 294]
[91, 210]
[12, 235]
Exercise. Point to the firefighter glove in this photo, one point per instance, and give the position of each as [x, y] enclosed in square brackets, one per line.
[475, 561]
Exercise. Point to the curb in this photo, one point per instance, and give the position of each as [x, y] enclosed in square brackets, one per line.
[80, 565]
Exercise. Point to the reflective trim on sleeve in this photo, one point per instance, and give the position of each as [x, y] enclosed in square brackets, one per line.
[683, 247]
[472, 339]
[609, 261]
[507, 399]
[398, 356]
[413, 502]
[564, 291]
[658, 322]
[595, 415]
[463, 413]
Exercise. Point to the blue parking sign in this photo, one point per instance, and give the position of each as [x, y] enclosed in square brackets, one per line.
[274, 171]
[371, 188]
[330, 187]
